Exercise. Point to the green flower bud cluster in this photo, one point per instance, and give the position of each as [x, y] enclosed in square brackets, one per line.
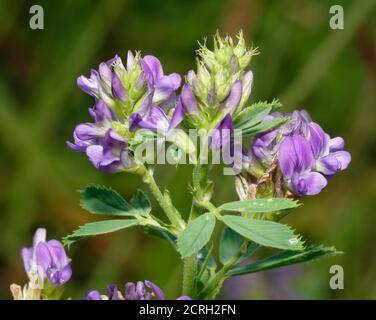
[220, 67]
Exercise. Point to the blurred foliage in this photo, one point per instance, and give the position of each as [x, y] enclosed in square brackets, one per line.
[303, 62]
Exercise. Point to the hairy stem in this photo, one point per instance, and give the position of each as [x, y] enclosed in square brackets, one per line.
[189, 275]
[189, 272]
[171, 212]
[212, 208]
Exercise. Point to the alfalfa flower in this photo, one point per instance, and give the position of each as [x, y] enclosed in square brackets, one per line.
[304, 153]
[163, 86]
[127, 98]
[106, 149]
[126, 89]
[142, 290]
[47, 267]
[218, 89]
[46, 261]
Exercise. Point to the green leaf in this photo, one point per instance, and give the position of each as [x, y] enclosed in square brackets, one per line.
[161, 233]
[205, 256]
[196, 234]
[260, 205]
[254, 114]
[251, 116]
[206, 266]
[141, 203]
[284, 259]
[230, 244]
[99, 227]
[101, 200]
[263, 126]
[265, 233]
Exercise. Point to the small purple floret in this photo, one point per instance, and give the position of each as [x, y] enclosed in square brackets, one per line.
[104, 147]
[306, 155]
[46, 259]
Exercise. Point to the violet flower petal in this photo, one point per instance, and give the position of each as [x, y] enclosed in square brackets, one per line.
[154, 119]
[157, 290]
[309, 183]
[65, 274]
[118, 90]
[140, 291]
[87, 131]
[188, 100]
[57, 252]
[165, 87]
[27, 255]
[101, 113]
[93, 295]
[43, 256]
[53, 275]
[177, 116]
[95, 154]
[233, 99]
[152, 68]
[247, 85]
[39, 236]
[336, 144]
[112, 292]
[134, 120]
[221, 135]
[184, 298]
[89, 85]
[263, 147]
[294, 155]
[318, 138]
[105, 72]
[130, 291]
[333, 163]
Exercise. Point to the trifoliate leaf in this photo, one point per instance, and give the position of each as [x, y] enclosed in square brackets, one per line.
[264, 232]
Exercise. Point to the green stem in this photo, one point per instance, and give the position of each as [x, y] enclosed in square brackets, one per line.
[199, 175]
[189, 271]
[215, 284]
[212, 208]
[189, 275]
[171, 212]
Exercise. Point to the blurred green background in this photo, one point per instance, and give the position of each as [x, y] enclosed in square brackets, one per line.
[331, 73]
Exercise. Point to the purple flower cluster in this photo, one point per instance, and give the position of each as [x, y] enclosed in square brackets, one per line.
[140, 95]
[105, 148]
[145, 290]
[126, 99]
[117, 85]
[46, 260]
[306, 155]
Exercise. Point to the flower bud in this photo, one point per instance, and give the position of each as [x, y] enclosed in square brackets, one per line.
[247, 85]
[222, 80]
[241, 187]
[203, 82]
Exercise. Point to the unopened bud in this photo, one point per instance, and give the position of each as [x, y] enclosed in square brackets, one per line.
[241, 187]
